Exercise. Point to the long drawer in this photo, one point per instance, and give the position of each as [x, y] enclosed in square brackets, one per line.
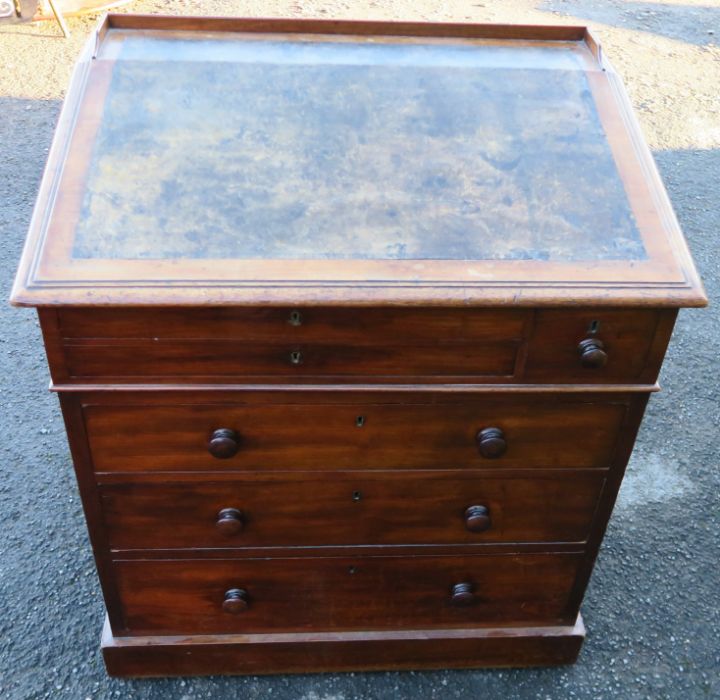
[241, 361]
[327, 593]
[512, 430]
[355, 345]
[339, 325]
[351, 508]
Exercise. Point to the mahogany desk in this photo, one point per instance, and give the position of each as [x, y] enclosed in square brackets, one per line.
[353, 325]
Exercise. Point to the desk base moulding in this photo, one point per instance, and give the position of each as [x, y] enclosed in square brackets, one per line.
[313, 652]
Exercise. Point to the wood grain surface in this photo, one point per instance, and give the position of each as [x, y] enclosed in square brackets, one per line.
[342, 651]
[354, 345]
[540, 432]
[351, 508]
[343, 593]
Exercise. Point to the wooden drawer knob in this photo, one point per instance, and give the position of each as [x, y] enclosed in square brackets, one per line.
[224, 443]
[491, 442]
[592, 353]
[462, 594]
[477, 518]
[236, 601]
[230, 521]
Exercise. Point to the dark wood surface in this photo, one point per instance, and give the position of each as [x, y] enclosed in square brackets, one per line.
[539, 432]
[142, 482]
[350, 508]
[342, 651]
[209, 360]
[357, 345]
[627, 337]
[92, 506]
[267, 324]
[344, 593]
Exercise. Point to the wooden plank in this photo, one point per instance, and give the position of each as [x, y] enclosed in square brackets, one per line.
[352, 27]
[313, 652]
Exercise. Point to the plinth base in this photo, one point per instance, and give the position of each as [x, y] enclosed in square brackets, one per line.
[314, 652]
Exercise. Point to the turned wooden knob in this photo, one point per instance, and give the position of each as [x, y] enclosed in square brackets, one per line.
[491, 442]
[477, 518]
[224, 443]
[236, 601]
[230, 521]
[462, 594]
[592, 353]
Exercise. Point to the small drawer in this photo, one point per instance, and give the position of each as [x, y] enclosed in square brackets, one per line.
[345, 592]
[597, 346]
[353, 508]
[519, 431]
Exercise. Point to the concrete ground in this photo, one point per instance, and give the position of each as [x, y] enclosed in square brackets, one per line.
[652, 607]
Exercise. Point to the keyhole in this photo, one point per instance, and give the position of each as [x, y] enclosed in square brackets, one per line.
[351, 569]
[356, 495]
[594, 327]
[295, 318]
[360, 421]
[296, 357]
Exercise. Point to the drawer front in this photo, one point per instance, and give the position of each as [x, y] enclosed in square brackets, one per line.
[276, 345]
[230, 361]
[624, 339]
[520, 431]
[352, 509]
[378, 592]
[341, 325]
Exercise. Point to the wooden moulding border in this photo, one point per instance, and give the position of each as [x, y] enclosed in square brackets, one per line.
[312, 652]
[47, 277]
[115, 388]
[453, 30]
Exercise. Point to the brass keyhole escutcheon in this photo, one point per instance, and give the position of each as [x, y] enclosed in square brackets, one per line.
[296, 357]
[360, 421]
[295, 318]
[356, 496]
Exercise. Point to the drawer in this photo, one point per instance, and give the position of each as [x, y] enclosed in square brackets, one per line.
[352, 345]
[327, 593]
[518, 430]
[351, 508]
[232, 361]
[632, 344]
[276, 344]
[338, 325]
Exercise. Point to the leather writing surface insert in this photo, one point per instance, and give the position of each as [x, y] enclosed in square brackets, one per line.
[362, 149]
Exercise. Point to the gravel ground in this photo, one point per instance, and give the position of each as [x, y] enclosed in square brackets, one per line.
[651, 609]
